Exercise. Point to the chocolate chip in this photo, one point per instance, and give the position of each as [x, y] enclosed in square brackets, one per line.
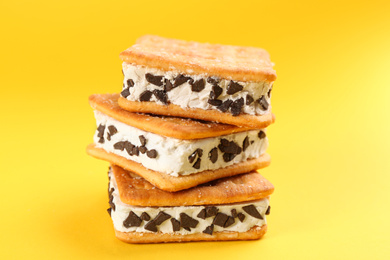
[100, 130]
[220, 219]
[145, 96]
[209, 230]
[152, 153]
[120, 145]
[112, 130]
[213, 155]
[230, 147]
[135, 151]
[225, 105]
[111, 198]
[155, 80]
[109, 211]
[187, 222]
[145, 216]
[261, 134]
[198, 152]
[197, 164]
[249, 99]
[132, 220]
[198, 85]
[234, 213]
[125, 92]
[227, 157]
[245, 143]
[129, 148]
[225, 142]
[230, 221]
[175, 224]
[211, 211]
[268, 211]
[202, 214]
[269, 92]
[213, 80]
[130, 83]
[233, 87]
[142, 139]
[142, 149]
[101, 140]
[187, 228]
[215, 102]
[161, 217]
[168, 85]
[252, 211]
[161, 95]
[216, 92]
[181, 79]
[237, 106]
[241, 216]
[151, 226]
[263, 103]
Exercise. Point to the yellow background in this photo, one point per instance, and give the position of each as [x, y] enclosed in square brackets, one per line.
[330, 143]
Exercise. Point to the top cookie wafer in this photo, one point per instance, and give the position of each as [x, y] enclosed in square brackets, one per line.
[229, 62]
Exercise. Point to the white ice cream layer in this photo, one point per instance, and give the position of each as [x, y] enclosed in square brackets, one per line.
[122, 211]
[184, 97]
[173, 154]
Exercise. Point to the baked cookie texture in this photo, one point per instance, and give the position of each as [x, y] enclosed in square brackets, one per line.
[159, 216]
[226, 84]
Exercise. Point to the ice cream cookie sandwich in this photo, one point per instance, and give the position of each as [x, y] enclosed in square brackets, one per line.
[219, 83]
[232, 208]
[174, 153]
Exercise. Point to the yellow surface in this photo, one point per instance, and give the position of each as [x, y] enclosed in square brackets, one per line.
[330, 144]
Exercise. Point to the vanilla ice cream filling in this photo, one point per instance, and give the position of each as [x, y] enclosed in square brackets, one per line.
[256, 96]
[174, 156]
[216, 223]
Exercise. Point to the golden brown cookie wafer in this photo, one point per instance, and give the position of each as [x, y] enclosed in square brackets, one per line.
[170, 183]
[180, 128]
[244, 120]
[134, 190]
[142, 238]
[230, 62]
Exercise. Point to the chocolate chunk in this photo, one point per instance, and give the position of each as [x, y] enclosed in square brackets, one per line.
[120, 145]
[152, 153]
[261, 134]
[111, 199]
[142, 149]
[132, 220]
[175, 224]
[234, 213]
[187, 228]
[269, 92]
[216, 92]
[197, 164]
[125, 92]
[213, 155]
[233, 87]
[230, 221]
[187, 222]
[155, 80]
[198, 85]
[161, 217]
[130, 83]
[129, 148]
[227, 157]
[263, 103]
[100, 130]
[230, 147]
[108, 137]
[202, 214]
[181, 79]
[145, 96]
[225, 142]
[135, 151]
[142, 139]
[151, 226]
[252, 211]
[209, 230]
[109, 211]
[220, 219]
[198, 152]
[241, 216]
[112, 130]
[249, 99]
[215, 102]
[211, 211]
[168, 85]
[225, 105]
[145, 216]
[268, 211]
[237, 106]
[245, 143]
[101, 140]
[213, 80]
[161, 95]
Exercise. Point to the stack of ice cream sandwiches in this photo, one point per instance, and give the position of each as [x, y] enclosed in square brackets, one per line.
[185, 138]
